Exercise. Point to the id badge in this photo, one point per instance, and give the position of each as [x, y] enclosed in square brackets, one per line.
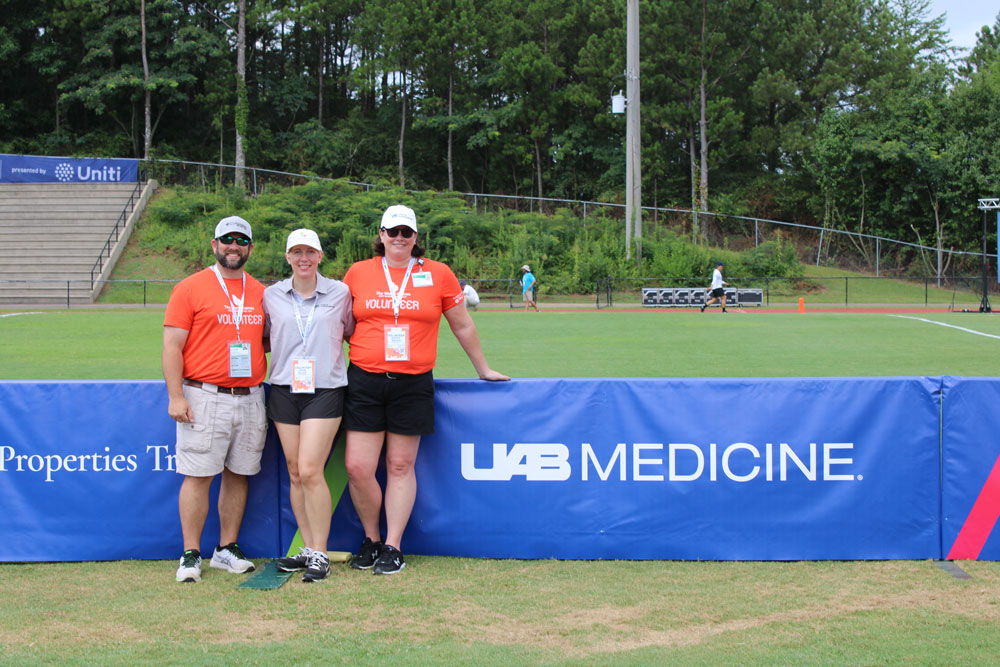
[397, 342]
[303, 376]
[239, 359]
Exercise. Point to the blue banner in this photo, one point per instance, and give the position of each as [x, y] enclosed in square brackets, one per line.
[712, 469]
[971, 486]
[86, 473]
[755, 469]
[36, 169]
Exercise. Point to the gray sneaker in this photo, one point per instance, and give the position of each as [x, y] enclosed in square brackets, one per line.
[231, 559]
[189, 570]
[318, 568]
[295, 563]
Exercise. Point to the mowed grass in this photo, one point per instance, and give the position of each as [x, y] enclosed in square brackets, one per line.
[125, 344]
[503, 612]
[499, 612]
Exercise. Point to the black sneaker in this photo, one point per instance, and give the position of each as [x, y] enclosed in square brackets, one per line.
[703, 309]
[367, 555]
[318, 567]
[390, 561]
[295, 563]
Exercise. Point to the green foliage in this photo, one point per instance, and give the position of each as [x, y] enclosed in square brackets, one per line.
[505, 97]
[242, 106]
[771, 259]
[567, 254]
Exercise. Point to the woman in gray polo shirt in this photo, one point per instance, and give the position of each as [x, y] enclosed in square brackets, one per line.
[309, 316]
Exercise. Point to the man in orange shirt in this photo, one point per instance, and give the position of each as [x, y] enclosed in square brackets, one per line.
[214, 364]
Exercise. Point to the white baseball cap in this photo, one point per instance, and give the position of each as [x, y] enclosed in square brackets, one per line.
[525, 268]
[303, 237]
[399, 216]
[233, 224]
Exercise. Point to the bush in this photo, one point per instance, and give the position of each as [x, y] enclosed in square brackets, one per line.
[773, 258]
[567, 254]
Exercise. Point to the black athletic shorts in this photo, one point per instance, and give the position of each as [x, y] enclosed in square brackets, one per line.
[287, 408]
[401, 403]
[717, 293]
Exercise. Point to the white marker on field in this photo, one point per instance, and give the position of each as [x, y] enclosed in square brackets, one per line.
[950, 326]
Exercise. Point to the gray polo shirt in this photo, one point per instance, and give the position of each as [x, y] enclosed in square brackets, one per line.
[332, 320]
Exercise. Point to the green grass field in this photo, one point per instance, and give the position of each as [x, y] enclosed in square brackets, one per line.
[483, 611]
[125, 344]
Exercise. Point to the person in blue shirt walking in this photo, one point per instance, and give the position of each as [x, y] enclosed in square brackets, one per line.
[528, 288]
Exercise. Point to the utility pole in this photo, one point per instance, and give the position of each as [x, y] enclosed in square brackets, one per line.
[633, 136]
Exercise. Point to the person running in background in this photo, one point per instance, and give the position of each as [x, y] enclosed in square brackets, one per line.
[716, 291]
[528, 286]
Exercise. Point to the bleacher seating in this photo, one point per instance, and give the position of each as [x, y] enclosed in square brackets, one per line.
[51, 235]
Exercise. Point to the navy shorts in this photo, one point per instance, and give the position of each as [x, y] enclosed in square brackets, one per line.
[400, 403]
[287, 408]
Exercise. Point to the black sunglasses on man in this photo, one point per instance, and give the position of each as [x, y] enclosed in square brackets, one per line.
[229, 239]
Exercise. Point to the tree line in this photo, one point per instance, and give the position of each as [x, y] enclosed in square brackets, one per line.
[852, 114]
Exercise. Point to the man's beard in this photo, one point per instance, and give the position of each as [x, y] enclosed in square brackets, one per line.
[229, 263]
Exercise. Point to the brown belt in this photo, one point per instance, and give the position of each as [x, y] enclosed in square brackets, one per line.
[235, 391]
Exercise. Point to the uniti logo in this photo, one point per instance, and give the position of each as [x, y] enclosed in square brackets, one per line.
[64, 172]
[645, 462]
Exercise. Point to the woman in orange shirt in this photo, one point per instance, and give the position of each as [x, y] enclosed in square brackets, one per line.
[399, 298]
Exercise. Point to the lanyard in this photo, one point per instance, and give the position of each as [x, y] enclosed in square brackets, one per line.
[397, 295]
[237, 315]
[304, 328]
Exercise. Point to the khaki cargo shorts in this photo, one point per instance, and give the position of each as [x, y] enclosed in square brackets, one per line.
[227, 431]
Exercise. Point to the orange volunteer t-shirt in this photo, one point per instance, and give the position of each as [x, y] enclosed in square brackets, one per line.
[199, 305]
[424, 300]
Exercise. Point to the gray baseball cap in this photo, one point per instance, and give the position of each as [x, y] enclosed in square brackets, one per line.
[234, 224]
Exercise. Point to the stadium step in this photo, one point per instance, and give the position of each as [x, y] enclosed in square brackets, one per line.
[51, 233]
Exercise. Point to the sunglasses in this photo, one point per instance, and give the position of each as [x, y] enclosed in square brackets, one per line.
[229, 239]
[396, 231]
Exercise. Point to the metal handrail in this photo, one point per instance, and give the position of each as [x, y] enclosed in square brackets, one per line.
[121, 222]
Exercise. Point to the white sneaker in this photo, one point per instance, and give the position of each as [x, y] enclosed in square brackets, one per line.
[231, 559]
[190, 567]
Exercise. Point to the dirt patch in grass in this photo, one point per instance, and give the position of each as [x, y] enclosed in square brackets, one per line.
[608, 629]
[561, 610]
